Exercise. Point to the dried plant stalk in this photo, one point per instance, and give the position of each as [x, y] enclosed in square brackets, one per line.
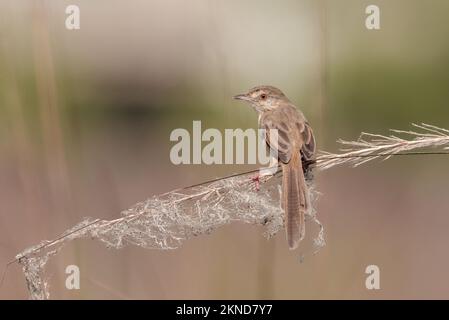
[374, 146]
[165, 221]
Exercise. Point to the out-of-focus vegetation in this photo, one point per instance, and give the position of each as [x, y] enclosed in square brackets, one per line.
[85, 118]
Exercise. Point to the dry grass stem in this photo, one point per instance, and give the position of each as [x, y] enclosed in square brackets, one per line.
[166, 221]
[374, 146]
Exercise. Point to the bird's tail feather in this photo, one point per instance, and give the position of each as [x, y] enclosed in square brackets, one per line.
[294, 200]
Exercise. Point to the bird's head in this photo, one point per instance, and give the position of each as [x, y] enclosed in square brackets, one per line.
[263, 98]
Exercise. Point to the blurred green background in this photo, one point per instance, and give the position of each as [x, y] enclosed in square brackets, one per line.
[85, 118]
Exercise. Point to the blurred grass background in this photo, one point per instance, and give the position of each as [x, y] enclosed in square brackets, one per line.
[85, 118]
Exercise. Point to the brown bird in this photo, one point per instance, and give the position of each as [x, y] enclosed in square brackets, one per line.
[295, 146]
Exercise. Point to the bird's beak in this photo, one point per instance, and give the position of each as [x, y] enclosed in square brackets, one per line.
[243, 97]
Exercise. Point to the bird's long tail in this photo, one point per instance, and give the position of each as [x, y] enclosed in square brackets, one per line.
[294, 200]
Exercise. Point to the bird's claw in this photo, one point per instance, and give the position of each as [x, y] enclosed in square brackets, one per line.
[256, 180]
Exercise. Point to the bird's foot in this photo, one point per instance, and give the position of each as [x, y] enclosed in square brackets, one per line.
[256, 180]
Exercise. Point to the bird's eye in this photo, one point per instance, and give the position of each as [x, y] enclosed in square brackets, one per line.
[263, 96]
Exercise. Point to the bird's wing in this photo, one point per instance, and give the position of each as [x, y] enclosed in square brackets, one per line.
[280, 143]
[309, 147]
